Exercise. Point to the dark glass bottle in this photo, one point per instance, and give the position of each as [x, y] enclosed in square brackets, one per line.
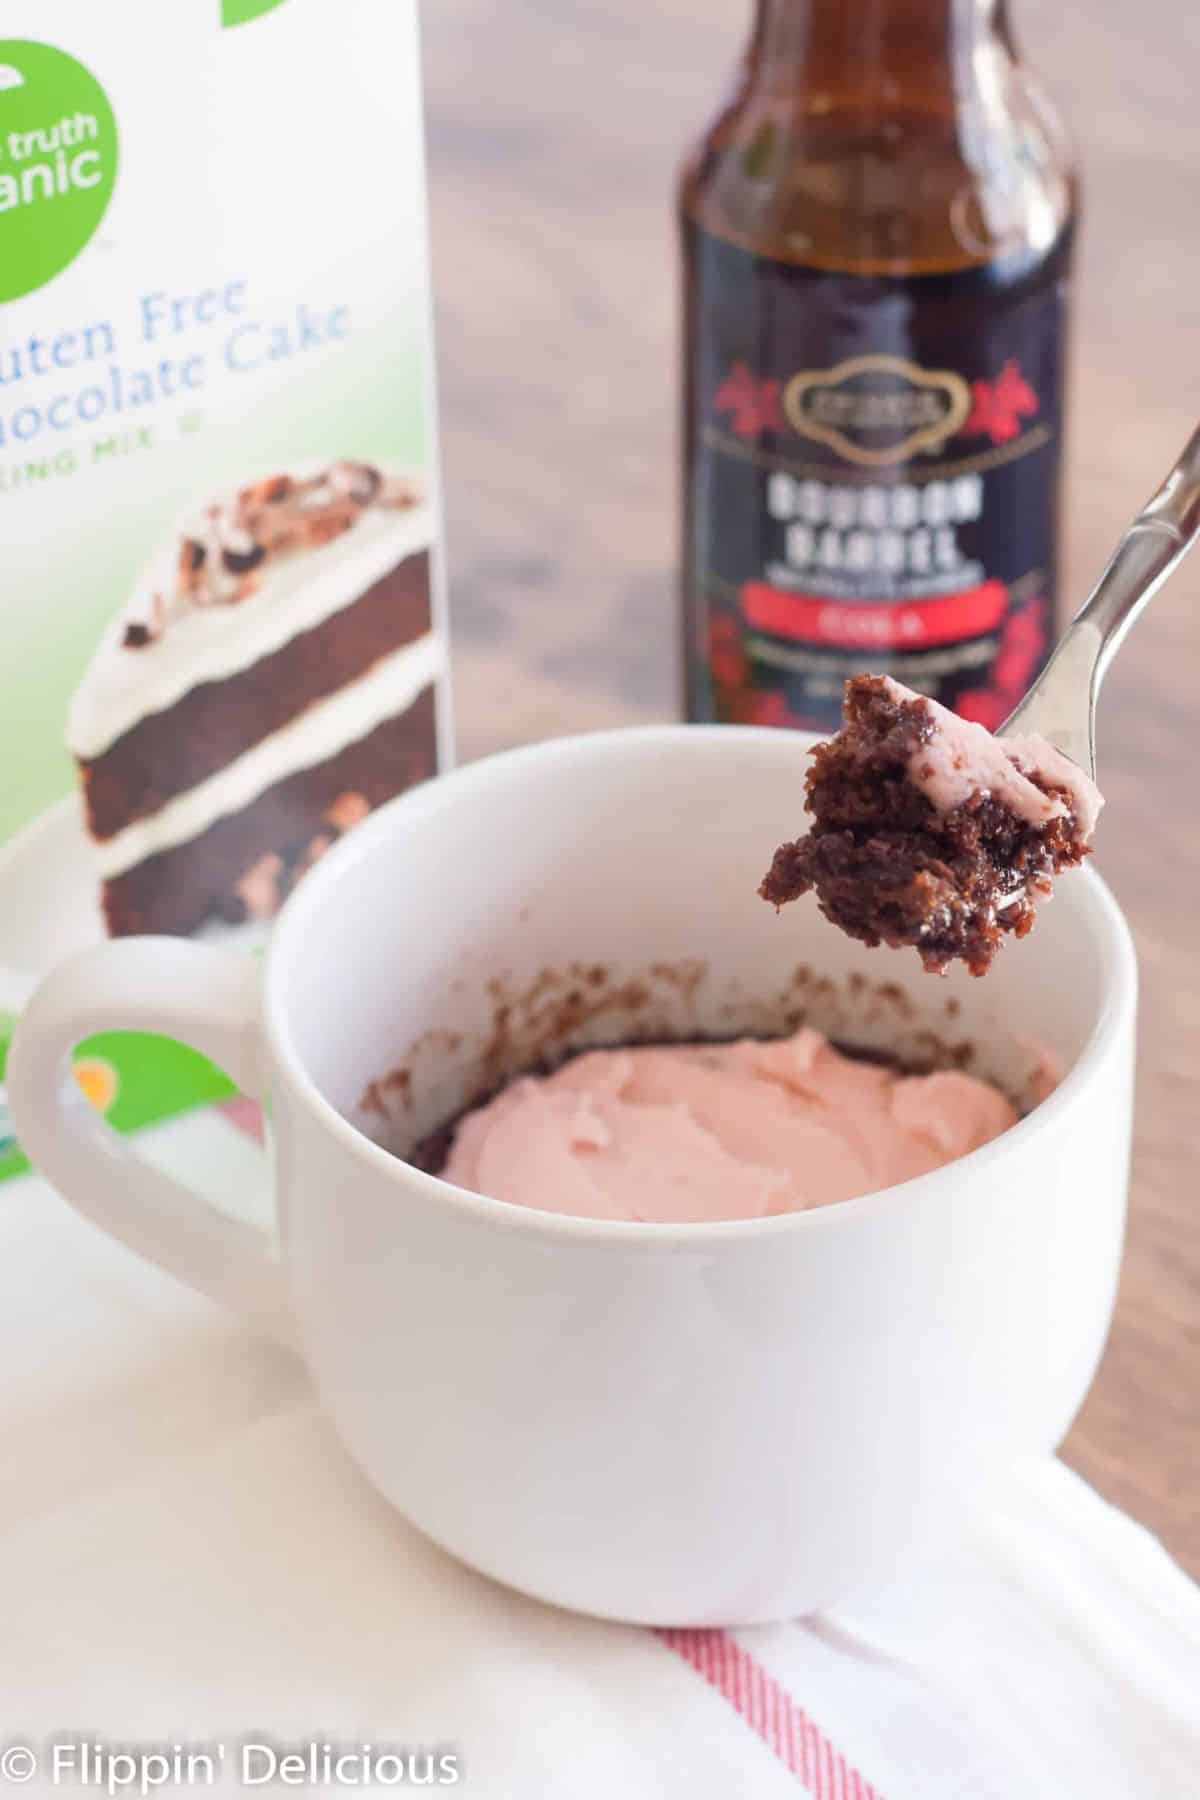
[877, 238]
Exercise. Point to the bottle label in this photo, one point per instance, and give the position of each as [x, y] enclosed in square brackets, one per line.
[872, 486]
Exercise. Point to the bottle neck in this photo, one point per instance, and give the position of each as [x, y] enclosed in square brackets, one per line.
[875, 49]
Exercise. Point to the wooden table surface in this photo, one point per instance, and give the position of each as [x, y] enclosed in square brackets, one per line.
[554, 129]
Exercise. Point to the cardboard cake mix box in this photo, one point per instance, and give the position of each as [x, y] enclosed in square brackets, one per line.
[222, 621]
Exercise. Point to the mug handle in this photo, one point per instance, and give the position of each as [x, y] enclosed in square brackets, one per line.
[206, 996]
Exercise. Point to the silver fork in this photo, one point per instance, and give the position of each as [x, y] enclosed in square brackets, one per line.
[1061, 704]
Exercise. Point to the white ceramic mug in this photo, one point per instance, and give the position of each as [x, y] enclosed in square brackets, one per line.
[679, 1424]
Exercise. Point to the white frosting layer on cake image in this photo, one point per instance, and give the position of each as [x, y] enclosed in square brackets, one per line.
[209, 642]
[223, 720]
[319, 733]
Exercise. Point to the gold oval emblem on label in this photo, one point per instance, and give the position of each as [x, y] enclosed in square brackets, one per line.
[877, 410]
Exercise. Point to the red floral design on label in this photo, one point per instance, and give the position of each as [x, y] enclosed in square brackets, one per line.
[999, 406]
[726, 653]
[753, 405]
[1021, 648]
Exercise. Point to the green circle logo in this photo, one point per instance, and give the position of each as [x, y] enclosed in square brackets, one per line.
[58, 162]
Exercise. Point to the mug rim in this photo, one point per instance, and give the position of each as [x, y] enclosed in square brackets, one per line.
[1118, 1004]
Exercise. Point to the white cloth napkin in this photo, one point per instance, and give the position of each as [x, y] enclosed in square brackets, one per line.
[188, 1559]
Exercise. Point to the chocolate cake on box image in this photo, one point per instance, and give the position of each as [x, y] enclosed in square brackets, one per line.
[272, 679]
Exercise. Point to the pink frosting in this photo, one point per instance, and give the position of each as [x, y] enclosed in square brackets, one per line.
[729, 1131]
[962, 758]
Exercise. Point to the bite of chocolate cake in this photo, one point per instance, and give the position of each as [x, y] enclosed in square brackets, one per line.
[931, 833]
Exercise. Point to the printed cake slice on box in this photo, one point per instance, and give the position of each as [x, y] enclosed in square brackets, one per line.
[272, 679]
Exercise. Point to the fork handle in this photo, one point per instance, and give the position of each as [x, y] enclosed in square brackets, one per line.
[1061, 704]
[1159, 537]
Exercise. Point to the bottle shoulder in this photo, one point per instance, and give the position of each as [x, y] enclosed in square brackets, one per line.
[901, 185]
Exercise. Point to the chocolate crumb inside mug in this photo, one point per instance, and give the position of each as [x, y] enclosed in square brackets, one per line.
[683, 1424]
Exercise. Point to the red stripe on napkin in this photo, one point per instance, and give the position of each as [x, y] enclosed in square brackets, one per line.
[770, 1711]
